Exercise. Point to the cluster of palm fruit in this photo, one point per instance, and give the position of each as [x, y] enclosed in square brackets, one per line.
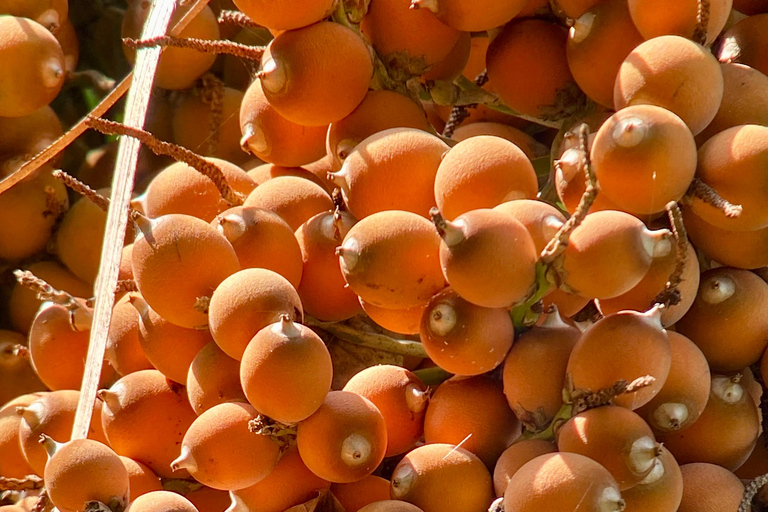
[481, 195]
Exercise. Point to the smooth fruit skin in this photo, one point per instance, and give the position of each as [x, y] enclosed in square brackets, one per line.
[162, 501]
[739, 249]
[674, 73]
[277, 15]
[213, 378]
[542, 220]
[358, 495]
[286, 371]
[744, 43]
[390, 506]
[345, 439]
[562, 481]
[13, 464]
[316, 75]
[472, 16]
[442, 478]
[626, 345]
[295, 199]
[84, 470]
[141, 479]
[678, 18]
[709, 488]
[32, 66]
[515, 457]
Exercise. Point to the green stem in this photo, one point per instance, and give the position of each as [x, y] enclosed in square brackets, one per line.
[522, 316]
[549, 434]
[369, 339]
[432, 376]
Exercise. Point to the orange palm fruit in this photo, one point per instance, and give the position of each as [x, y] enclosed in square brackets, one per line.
[179, 67]
[472, 413]
[541, 219]
[79, 237]
[141, 479]
[609, 253]
[740, 249]
[262, 239]
[709, 487]
[13, 464]
[162, 501]
[206, 499]
[273, 138]
[642, 296]
[487, 257]
[625, 345]
[575, 8]
[196, 128]
[168, 347]
[757, 463]
[82, 471]
[570, 182]
[26, 136]
[549, 89]
[52, 414]
[29, 224]
[674, 73]
[124, 351]
[246, 302]
[661, 490]
[286, 371]
[296, 200]
[744, 43]
[464, 338]
[180, 259]
[17, 376]
[379, 110]
[644, 157]
[730, 409]
[213, 378]
[723, 320]
[372, 176]
[680, 19]
[58, 346]
[49, 13]
[598, 42]
[390, 259]
[534, 370]
[356, 495]
[514, 457]
[472, 16]
[568, 304]
[180, 188]
[316, 75]
[442, 477]
[685, 393]
[453, 64]
[401, 398]
[530, 146]
[221, 452]
[345, 439]
[141, 402]
[731, 163]
[264, 172]
[619, 439]
[403, 321]
[322, 289]
[744, 100]
[464, 183]
[33, 56]
[412, 38]
[279, 16]
[390, 506]
[23, 302]
[562, 481]
[289, 483]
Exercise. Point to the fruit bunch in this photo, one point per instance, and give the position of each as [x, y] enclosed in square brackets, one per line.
[388, 256]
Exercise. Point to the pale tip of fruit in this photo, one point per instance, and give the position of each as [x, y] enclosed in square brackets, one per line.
[111, 397]
[185, 460]
[581, 27]
[670, 416]
[232, 226]
[254, 140]
[717, 289]
[629, 132]
[49, 18]
[550, 226]
[415, 398]
[663, 243]
[288, 327]
[49, 444]
[655, 474]
[569, 166]
[729, 50]
[349, 254]
[33, 413]
[442, 319]
[272, 76]
[553, 320]
[727, 389]
[403, 480]
[642, 454]
[52, 73]
[344, 148]
[654, 315]
[356, 450]
[236, 504]
[610, 500]
[425, 4]
[338, 178]
[652, 239]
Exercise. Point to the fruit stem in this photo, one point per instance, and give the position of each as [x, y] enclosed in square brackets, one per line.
[702, 21]
[125, 286]
[199, 45]
[709, 195]
[432, 376]
[524, 315]
[460, 112]
[670, 295]
[449, 232]
[555, 247]
[80, 314]
[369, 339]
[28, 483]
[282, 434]
[82, 189]
[212, 94]
[178, 153]
[750, 491]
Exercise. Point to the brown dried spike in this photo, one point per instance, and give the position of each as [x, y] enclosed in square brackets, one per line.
[212, 94]
[702, 20]
[670, 295]
[237, 18]
[201, 45]
[176, 152]
[82, 189]
[710, 196]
